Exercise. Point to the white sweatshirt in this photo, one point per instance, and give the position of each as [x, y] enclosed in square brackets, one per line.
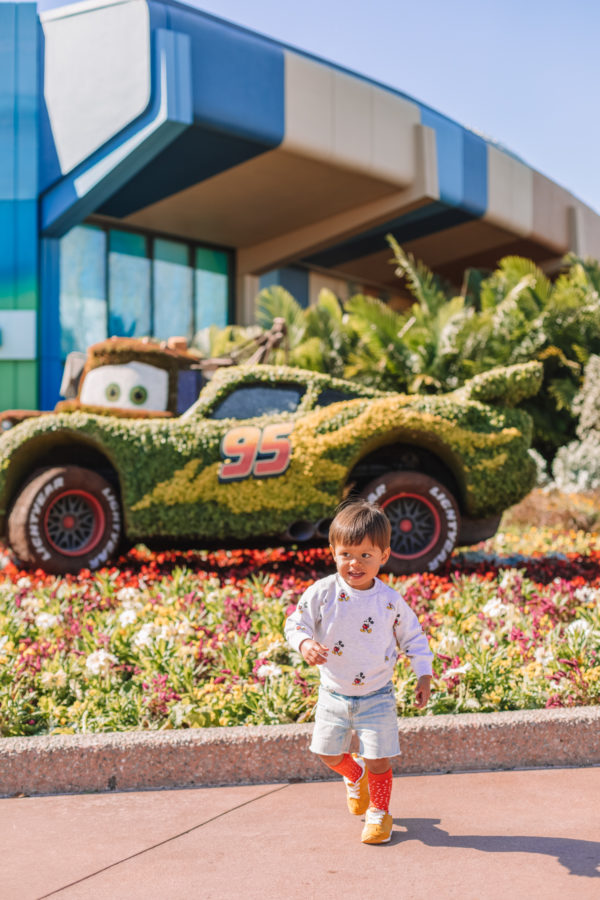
[363, 631]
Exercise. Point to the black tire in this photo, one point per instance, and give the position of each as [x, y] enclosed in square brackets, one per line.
[424, 516]
[65, 519]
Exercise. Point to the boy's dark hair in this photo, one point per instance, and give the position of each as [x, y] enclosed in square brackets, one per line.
[358, 519]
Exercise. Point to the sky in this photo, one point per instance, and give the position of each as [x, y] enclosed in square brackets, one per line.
[525, 73]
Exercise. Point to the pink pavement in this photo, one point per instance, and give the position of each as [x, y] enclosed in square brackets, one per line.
[469, 836]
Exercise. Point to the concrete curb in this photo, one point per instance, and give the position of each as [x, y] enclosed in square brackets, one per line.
[274, 753]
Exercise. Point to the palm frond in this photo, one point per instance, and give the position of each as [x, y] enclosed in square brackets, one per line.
[425, 287]
[275, 302]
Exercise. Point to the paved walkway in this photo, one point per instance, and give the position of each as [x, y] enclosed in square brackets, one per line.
[480, 836]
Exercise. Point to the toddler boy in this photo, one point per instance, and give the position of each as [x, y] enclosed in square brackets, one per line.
[351, 625]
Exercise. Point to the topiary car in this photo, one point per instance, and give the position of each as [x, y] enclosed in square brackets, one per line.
[264, 456]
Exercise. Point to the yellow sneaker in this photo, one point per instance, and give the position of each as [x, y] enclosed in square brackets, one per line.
[357, 792]
[378, 827]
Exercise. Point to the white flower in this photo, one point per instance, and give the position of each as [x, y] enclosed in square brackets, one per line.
[23, 582]
[494, 608]
[268, 670]
[472, 703]
[459, 670]
[54, 679]
[273, 647]
[450, 644]
[99, 662]
[144, 636]
[30, 604]
[579, 626]
[508, 580]
[543, 656]
[487, 638]
[128, 596]
[45, 621]
[3, 640]
[586, 594]
[127, 617]
[180, 628]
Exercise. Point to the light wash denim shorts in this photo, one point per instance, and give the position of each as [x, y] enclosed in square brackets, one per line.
[373, 717]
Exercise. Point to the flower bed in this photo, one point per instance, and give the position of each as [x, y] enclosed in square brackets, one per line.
[176, 640]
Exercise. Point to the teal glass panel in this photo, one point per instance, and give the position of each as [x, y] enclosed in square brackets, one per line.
[172, 290]
[128, 285]
[211, 276]
[82, 305]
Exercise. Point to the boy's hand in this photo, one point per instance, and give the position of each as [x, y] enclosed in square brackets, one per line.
[423, 691]
[313, 652]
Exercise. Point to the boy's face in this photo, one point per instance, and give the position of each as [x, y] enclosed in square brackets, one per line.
[358, 564]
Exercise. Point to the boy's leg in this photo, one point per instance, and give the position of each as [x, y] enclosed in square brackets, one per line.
[331, 738]
[380, 782]
[355, 776]
[378, 822]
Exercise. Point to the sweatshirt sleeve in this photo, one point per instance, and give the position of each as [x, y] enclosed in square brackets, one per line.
[304, 620]
[412, 640]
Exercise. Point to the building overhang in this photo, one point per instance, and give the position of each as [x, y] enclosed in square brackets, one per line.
[234, 139]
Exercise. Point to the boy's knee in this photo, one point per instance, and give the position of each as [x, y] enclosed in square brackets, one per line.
[378, 766]
[331, 760]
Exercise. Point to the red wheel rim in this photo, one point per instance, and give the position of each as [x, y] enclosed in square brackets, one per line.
[74, 523]
[415, 522]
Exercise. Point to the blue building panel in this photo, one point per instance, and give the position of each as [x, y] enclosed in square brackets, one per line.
[26, 253]
[475, 182]
[238, 78]
[462, 164]
[8, 18]
[18, 184]
[238, 108]
[7, 254]
[26, 121]
[294, 279]
[49, 324]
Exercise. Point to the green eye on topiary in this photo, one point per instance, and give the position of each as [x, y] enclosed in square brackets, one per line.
[138, 395]
[112, 392]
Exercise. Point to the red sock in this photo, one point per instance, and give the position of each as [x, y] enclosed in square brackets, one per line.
[380, 789]
[348, 767]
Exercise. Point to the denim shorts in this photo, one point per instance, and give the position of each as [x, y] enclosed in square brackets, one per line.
[373, 717]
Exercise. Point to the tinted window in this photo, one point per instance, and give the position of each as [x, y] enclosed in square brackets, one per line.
[173, 287]
[128, 284]
[83, 306]
[332, 395]
[251, 400]
[211, 276]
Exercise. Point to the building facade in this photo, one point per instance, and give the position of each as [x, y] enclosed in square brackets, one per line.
[158, 166]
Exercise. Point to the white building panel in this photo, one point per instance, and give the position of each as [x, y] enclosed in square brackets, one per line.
[18, 334]
[510, 193]
[343, 120]
[96, 74]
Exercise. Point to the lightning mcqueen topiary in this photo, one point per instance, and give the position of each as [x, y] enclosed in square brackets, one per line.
[263, 456]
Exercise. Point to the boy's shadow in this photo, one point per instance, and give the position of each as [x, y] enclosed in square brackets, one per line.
[579, 857]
